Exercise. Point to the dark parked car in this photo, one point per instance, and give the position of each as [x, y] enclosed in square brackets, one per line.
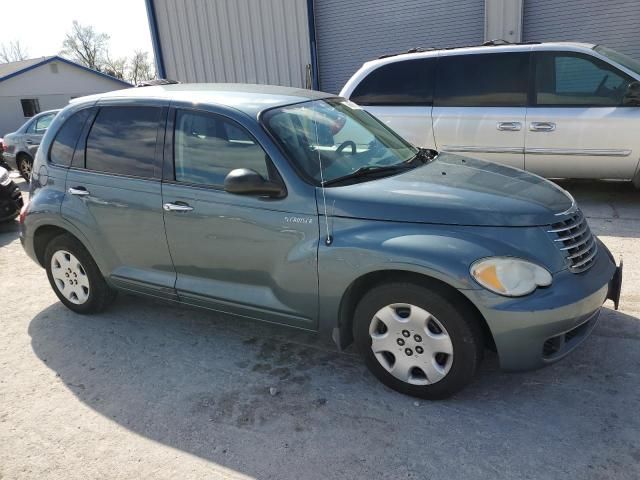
[10, 197]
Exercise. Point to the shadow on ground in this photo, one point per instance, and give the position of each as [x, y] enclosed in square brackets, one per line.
[200, 382]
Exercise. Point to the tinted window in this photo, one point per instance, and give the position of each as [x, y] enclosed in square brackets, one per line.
[483, 80]
[64, 144]
[409, 82]
[573, 79]
[123, 141]
[207, 147]
[43, 123]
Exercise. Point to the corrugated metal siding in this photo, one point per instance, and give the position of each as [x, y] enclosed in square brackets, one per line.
[351, 32]
[248, 41]
[614, 23]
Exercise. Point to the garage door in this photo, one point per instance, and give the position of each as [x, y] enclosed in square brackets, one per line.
[351, 32]
[613, 23]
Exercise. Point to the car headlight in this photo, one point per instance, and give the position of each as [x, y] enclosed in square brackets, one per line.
[4, 177]
[509, 276]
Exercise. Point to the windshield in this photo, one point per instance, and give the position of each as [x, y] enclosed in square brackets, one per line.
[624, 60]
[332, 138]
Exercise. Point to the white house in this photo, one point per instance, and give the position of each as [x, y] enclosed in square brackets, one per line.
[38, 84]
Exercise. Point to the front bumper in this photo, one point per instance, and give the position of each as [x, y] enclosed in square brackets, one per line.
[541, 328]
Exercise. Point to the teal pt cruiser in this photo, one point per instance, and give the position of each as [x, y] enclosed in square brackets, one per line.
[299, 208]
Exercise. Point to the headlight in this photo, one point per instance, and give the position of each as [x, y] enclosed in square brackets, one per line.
[508, 276]
[4, 177]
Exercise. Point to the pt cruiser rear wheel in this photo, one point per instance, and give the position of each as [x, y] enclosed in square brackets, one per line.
[75, 277]
[418, 341]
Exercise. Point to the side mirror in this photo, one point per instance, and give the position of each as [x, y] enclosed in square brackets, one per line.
[244, 181]
[632, 95]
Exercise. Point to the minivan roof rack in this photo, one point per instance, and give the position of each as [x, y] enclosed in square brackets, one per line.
[411, 50]
[495, 42]
[157, 81]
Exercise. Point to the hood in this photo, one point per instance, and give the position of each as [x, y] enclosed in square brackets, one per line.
[454, 190]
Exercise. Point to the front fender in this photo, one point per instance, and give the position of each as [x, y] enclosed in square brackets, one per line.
[442, 252]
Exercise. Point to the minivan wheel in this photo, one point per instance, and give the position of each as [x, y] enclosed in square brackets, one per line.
[25, 165]
[418, 341]
[75, 277]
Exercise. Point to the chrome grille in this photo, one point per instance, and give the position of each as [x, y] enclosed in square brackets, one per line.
[573, 237]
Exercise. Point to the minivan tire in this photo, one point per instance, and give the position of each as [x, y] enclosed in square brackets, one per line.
[456, 318]
[100, 294]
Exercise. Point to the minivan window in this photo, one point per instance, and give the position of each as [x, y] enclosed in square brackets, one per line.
[624, 60]
[64, 144]
[573, 79]
[207, 147]
[408, 82]
[122, 140]
[482, 80]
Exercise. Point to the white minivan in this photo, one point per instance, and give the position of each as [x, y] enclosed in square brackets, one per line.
[561, 110]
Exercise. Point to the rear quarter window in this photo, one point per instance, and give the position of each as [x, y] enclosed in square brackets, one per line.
[67, 137]
[122, 141]
[408, 82]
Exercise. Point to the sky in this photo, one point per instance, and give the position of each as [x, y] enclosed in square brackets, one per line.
[43, 24]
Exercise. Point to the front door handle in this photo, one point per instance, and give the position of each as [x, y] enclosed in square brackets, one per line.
[542, 126]
[509, 126]
[28, 142]
[80, 191]
[177, 207]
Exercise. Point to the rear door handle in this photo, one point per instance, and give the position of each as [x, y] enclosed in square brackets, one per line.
[177, 207]
[509, 126]
[80, 191]
[542, 126]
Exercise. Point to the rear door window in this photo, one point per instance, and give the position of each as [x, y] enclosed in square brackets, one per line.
[574, 79]
[482, 80]
[64, 144]
[122, 141]
[403, 83]
[208, 146]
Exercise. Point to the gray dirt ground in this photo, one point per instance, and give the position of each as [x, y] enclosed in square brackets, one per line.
[147, 390]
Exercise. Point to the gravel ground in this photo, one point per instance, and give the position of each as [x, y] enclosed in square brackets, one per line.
[147, 390]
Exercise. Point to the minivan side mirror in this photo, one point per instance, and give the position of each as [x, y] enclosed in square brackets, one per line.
[244, 181]
[632, 95]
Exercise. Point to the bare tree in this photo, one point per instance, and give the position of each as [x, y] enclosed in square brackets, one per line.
[140, 68]
[116, 67]
[86, 46]
[14, 52]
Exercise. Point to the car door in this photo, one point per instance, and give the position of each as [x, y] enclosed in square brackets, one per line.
[36, 131]
[579, 125]
[249, 255]
[400, 94]
[113, 196]
[480, 105]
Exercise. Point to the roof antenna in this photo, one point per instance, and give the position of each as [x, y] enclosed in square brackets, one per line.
[329, 239]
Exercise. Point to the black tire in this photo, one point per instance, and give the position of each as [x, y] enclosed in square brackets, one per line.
[25, 165]
[458, 318]
[100, 294]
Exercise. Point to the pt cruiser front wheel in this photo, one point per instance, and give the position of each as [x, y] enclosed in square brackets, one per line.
[419, 341]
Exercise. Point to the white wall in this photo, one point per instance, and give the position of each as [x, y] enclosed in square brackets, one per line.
[53, 90]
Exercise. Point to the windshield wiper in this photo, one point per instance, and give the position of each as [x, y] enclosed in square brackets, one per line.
[369, 170]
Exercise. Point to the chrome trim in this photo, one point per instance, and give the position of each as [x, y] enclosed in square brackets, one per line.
[509, 126]
[542, 126]
[595, 152]
[468, 148]
[582, 231]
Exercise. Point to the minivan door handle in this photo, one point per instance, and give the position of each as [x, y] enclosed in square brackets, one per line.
[177, 207]
[542, 126]
[509, 126]
[81, 191]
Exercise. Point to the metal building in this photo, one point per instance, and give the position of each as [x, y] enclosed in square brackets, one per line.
[321, 43]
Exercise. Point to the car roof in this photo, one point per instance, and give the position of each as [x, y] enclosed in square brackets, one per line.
[478, 49]
[248, 98]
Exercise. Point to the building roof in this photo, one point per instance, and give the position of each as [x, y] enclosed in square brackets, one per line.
[248, 98]
[12, 69]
